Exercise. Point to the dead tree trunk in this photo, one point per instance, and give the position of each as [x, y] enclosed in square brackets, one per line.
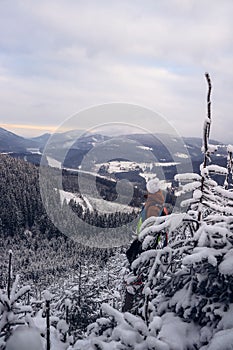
[206, 135]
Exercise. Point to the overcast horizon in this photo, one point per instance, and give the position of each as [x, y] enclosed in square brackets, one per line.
[60, 57]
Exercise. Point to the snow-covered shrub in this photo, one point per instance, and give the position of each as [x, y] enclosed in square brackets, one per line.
[12, 310]
[126, 331]
[121, 331]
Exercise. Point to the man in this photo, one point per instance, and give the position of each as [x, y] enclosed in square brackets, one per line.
[153, 207]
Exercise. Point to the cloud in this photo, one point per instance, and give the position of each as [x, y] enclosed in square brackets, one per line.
[28, 130]
[58, 57]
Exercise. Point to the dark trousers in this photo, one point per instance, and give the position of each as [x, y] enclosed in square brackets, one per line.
[134, 250]
[128, 302]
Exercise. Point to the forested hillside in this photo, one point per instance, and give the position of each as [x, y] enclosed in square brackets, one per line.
[45, 258]
[21, 206]
[173, 296]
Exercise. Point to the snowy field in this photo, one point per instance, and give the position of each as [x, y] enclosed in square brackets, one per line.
[92, 203]
[126, 166]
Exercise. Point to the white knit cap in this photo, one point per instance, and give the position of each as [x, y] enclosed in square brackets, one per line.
[153, 186]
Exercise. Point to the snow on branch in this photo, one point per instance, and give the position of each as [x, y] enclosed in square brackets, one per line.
[202, 253]
[192, 186]
[212, 148]
[117, 315]
[223, 192]
[24, 290]
[154, 229]
[187, 177]
[226, 266]
[230, 148]
[226, 210]
[188, 202]
[216, 169]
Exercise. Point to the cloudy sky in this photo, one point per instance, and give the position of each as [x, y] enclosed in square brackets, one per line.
[58, 57]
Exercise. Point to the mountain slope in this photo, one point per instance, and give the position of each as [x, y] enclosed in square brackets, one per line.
[10, 142]
[41, 140]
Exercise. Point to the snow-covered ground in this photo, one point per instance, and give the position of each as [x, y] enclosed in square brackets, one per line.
[109, 207]
[145, 148]
[181, 155]
[68, 196]
[34, 150]
[53, 162]
[125, 166]
[115, 167]
[91, 203]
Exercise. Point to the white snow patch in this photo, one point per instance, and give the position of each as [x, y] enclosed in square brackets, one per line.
[125, 166]
[25, 338]
[100, 204]
[47, 295]
[53, 162]
[187, 177]
[226, 266]
[217, 169]
[166, 164]
[34, 150]
[88, 204]
[105, 206]
[68, 196]
[181, 155]
[197, 194]
[222, 340]
[147, 176]
[62, 326]
[200, 253]
[177, 334]
[145, 148]
[227, 319]
[212, 148]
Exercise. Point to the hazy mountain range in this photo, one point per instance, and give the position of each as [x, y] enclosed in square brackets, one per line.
[165, 149]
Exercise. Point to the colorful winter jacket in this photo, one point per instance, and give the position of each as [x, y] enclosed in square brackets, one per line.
[154, 204]
[152, 207]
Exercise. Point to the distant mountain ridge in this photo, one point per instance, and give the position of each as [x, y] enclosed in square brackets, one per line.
[79, 144]
[10, 142]
[41, 140]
